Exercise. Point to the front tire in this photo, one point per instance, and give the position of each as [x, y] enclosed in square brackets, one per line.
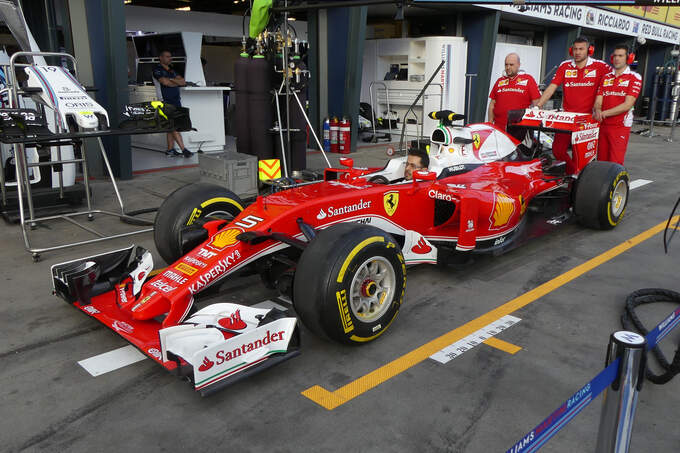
[601, 195]
[349, 283]
[184, 207]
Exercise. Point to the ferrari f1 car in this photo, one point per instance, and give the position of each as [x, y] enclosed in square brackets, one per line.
[338, 247]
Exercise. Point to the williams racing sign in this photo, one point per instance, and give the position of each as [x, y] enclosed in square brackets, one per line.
[595, 18]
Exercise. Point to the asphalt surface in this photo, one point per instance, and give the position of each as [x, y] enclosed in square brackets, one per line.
[484, 400]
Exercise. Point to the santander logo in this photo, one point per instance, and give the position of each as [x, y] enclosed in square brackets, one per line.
[233, 322]
[321, 215]
[206, 365]
[421, 248]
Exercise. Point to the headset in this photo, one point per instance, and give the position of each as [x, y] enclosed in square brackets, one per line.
[629, 60]
[591, 50]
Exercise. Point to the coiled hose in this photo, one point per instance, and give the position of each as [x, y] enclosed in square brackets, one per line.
[631, 321]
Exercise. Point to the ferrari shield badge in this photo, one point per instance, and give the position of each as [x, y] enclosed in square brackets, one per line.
[476, 141]
[390, 202]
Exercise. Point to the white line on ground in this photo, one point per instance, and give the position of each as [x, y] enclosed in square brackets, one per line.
[112, 360]
[127, 355]
[639, 183]
[464, 344]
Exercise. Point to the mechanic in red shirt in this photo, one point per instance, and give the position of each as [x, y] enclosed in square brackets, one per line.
[614, 106]
[580, 78]
[511, 92]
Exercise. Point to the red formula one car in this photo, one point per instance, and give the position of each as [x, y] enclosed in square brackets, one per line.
[338, 247]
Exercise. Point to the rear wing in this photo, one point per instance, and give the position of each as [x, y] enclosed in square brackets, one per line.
[550, 120]
[584, 131]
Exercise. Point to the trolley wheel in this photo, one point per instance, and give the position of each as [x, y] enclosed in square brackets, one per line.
[36, 257]
[90, 217]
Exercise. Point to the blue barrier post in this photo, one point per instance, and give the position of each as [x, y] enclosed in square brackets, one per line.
[620, 398]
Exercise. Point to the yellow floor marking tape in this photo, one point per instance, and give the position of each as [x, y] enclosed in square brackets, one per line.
[502, 345]
[331, 400]
[155, 272]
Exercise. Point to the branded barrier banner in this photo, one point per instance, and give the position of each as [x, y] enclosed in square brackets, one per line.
[545, 430]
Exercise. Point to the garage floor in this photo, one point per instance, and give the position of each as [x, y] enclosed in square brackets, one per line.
[484, 400]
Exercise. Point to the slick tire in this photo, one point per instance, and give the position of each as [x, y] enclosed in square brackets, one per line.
[601, 195]
[349, 283]
[186, 205]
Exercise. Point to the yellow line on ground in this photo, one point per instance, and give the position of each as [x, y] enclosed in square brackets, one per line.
[502, 345]
[331, 400]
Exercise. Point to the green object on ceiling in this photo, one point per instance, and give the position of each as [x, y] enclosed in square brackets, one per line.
[259, 16]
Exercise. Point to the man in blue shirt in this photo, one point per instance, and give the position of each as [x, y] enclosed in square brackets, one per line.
[170, 82]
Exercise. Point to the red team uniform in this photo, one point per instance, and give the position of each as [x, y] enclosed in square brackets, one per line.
[580, 88]
[615, 130]
[510, 94]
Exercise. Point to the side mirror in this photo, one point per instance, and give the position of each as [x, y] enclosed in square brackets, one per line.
[422, 175]
[347, 162]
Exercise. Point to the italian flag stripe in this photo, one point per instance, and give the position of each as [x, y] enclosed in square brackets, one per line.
[229, 371]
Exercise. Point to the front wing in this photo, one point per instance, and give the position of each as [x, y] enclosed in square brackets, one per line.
[215, 347]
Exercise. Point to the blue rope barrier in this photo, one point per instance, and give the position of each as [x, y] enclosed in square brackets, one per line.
[545, 430]
[659, 332]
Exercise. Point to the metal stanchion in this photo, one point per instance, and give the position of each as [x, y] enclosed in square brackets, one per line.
[469, 93]
[620, 398]
[673, 122]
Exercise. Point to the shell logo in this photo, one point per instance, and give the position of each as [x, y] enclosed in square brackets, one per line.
[503, 208]
[225, 238]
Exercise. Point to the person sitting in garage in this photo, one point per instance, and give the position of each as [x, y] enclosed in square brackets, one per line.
[513, 91]
[170, 82]
[417, 160]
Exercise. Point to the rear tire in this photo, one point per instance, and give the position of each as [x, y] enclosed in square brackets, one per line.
[185, 206]
[349, 283]
[601, 195]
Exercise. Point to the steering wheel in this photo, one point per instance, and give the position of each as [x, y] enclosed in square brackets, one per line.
[379, 179]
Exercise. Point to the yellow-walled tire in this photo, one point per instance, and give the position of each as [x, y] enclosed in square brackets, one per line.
[601, 195]
[184, 207]
[349, 283]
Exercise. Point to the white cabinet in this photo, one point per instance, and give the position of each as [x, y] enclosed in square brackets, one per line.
[420, 57]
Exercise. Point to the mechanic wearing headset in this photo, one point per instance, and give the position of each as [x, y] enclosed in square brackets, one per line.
[170, 82]
[512, 91]
[614, 106]
[417, 159]
[580, 78]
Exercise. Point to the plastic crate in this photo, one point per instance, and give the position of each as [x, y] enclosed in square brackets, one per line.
[235, 171]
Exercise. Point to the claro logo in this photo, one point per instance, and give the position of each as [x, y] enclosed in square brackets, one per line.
[437, 195]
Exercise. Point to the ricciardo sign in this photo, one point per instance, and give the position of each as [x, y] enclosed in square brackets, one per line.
[595, 18]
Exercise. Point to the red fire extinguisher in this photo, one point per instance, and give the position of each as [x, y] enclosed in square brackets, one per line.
[335, 126]
[344, 136]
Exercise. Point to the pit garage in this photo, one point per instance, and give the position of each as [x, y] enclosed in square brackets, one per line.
[511, 350]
